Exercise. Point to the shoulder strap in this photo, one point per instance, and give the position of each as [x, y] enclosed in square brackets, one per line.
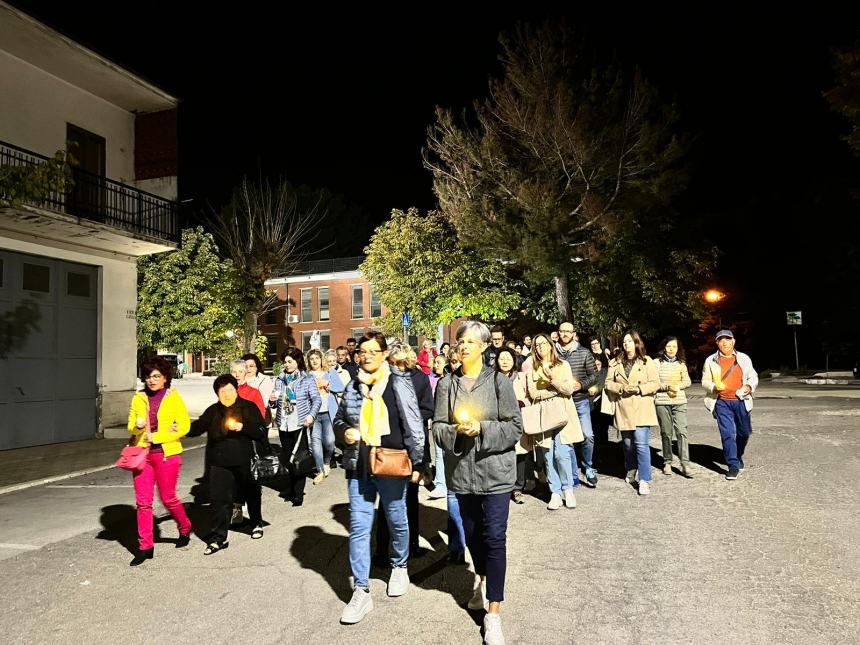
[730, 370]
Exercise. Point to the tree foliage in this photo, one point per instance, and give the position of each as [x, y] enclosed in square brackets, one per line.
[188, 299]
[845, 97]
[561, 155]
[33, 183]
[417, 265]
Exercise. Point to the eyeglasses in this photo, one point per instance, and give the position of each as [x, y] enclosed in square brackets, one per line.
[154, 376]
[566, 331]
[370, 353]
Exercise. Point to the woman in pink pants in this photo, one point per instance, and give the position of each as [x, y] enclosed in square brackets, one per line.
[158, 419]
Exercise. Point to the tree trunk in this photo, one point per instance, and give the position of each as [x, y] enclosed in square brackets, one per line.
[249, 331]
[562, 297]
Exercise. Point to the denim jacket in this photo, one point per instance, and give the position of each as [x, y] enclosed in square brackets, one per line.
[308, 399]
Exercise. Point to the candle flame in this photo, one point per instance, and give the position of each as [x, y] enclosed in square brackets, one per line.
[231, 424]
[463, 416]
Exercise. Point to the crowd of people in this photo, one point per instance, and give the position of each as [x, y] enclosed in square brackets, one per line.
[480, 423]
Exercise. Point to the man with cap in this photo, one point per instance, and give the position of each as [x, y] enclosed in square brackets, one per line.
[729, 380]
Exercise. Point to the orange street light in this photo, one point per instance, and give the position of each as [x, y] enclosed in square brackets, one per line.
[714, 296]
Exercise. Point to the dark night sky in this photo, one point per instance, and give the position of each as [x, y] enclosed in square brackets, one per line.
[344, 102]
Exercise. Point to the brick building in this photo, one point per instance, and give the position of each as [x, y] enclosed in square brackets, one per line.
[326, 296]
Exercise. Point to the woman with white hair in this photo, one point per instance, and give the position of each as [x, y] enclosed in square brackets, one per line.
[477, 422]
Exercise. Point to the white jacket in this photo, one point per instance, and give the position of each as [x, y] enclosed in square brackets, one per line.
[712, 372]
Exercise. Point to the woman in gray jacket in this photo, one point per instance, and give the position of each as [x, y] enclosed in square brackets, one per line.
[478, 424]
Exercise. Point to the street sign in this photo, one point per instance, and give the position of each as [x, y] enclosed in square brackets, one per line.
[404, 319]
[794, 317]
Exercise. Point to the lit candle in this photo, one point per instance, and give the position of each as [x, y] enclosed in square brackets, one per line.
[232, 424]
[463, 416]
[141, 422]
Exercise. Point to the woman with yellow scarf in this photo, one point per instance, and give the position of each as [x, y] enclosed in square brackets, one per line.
[379, 412]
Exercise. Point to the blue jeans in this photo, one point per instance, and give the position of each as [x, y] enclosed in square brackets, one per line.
[456, 534]
[583, 409]
[641, 454]
[485, 520]
[322, 440]
[362, 499]
[439, 480]
[560, 465]
[735, 425]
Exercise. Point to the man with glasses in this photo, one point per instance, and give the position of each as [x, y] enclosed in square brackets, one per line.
[497, 341]
[584, 370]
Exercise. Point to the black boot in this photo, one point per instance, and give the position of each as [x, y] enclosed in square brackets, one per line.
[183, 541]
[141, 557]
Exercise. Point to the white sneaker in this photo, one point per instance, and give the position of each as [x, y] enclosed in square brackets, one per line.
[554, 502]
[326, 470]
[319, 479]
[644, 488]
[358, 607]
[631, 477]
[569, 499]
[493, 634]
[237, 517]
[479, 597]
[398, 583]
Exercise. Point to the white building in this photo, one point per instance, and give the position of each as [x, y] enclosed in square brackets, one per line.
[68, 276]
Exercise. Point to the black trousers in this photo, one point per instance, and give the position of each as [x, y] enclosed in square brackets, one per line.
[383, 536]
[224, 481]
[525, 467]
[295, 489]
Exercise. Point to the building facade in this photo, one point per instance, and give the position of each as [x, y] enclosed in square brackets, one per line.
[68, 274]
[326, 298]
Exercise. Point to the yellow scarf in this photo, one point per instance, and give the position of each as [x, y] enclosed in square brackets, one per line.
[373, 420]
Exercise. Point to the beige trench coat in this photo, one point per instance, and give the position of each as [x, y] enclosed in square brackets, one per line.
[633, 410]
[539, 388]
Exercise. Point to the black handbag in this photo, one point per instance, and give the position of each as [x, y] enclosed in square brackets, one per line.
[302, 462]
[265, 464]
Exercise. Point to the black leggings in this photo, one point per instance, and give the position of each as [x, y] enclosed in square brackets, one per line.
[224, 481]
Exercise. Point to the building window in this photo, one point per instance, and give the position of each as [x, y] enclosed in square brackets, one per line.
[271, 349]
[325, 340]
[357, 302]
[375, 305]
[322, 299]
[36, 277]
[357, 333]
[307, 308]
[78, 284]
[270, 317]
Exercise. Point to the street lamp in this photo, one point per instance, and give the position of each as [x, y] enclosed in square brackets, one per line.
[713, 296]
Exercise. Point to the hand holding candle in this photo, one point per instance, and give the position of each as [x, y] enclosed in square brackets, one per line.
[233, 425]
[141, 423]
[466, 424]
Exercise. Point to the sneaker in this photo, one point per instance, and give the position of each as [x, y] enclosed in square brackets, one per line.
[493, 634]
[732, 474]
[237, 517]
[440, 492]
[517, 497]
[741, 469]
[667, 469]
[326, 470]
[398, 583]
[591, 477]
[319, 479]
[569, 498]
[479, 598]
[358, 607]
[554, 502]
[685, 470]
[644, 488]
[631, 477]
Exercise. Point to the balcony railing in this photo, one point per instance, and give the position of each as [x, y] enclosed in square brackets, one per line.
[327, 266]
[103, 200]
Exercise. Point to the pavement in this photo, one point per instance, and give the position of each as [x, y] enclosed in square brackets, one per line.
[770, 558]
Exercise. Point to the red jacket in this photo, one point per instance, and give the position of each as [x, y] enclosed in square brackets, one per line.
[425, 360]
[252, 394]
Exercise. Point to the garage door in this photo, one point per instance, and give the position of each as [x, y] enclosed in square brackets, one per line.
[48, 336]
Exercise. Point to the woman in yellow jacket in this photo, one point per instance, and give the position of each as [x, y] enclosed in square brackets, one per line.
[158, 420]
[632, 382]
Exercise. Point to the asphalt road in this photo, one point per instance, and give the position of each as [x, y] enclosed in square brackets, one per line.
[770, 558]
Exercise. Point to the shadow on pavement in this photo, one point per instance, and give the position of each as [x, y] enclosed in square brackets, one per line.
[328, 555]
[120, 525]
[708, 456]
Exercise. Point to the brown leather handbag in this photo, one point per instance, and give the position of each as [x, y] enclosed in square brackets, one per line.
[389, 462]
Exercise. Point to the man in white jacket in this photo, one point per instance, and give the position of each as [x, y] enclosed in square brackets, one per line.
[729, 380]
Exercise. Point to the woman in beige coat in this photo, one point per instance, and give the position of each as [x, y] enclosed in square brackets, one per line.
[632, 382]
[551, 377]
